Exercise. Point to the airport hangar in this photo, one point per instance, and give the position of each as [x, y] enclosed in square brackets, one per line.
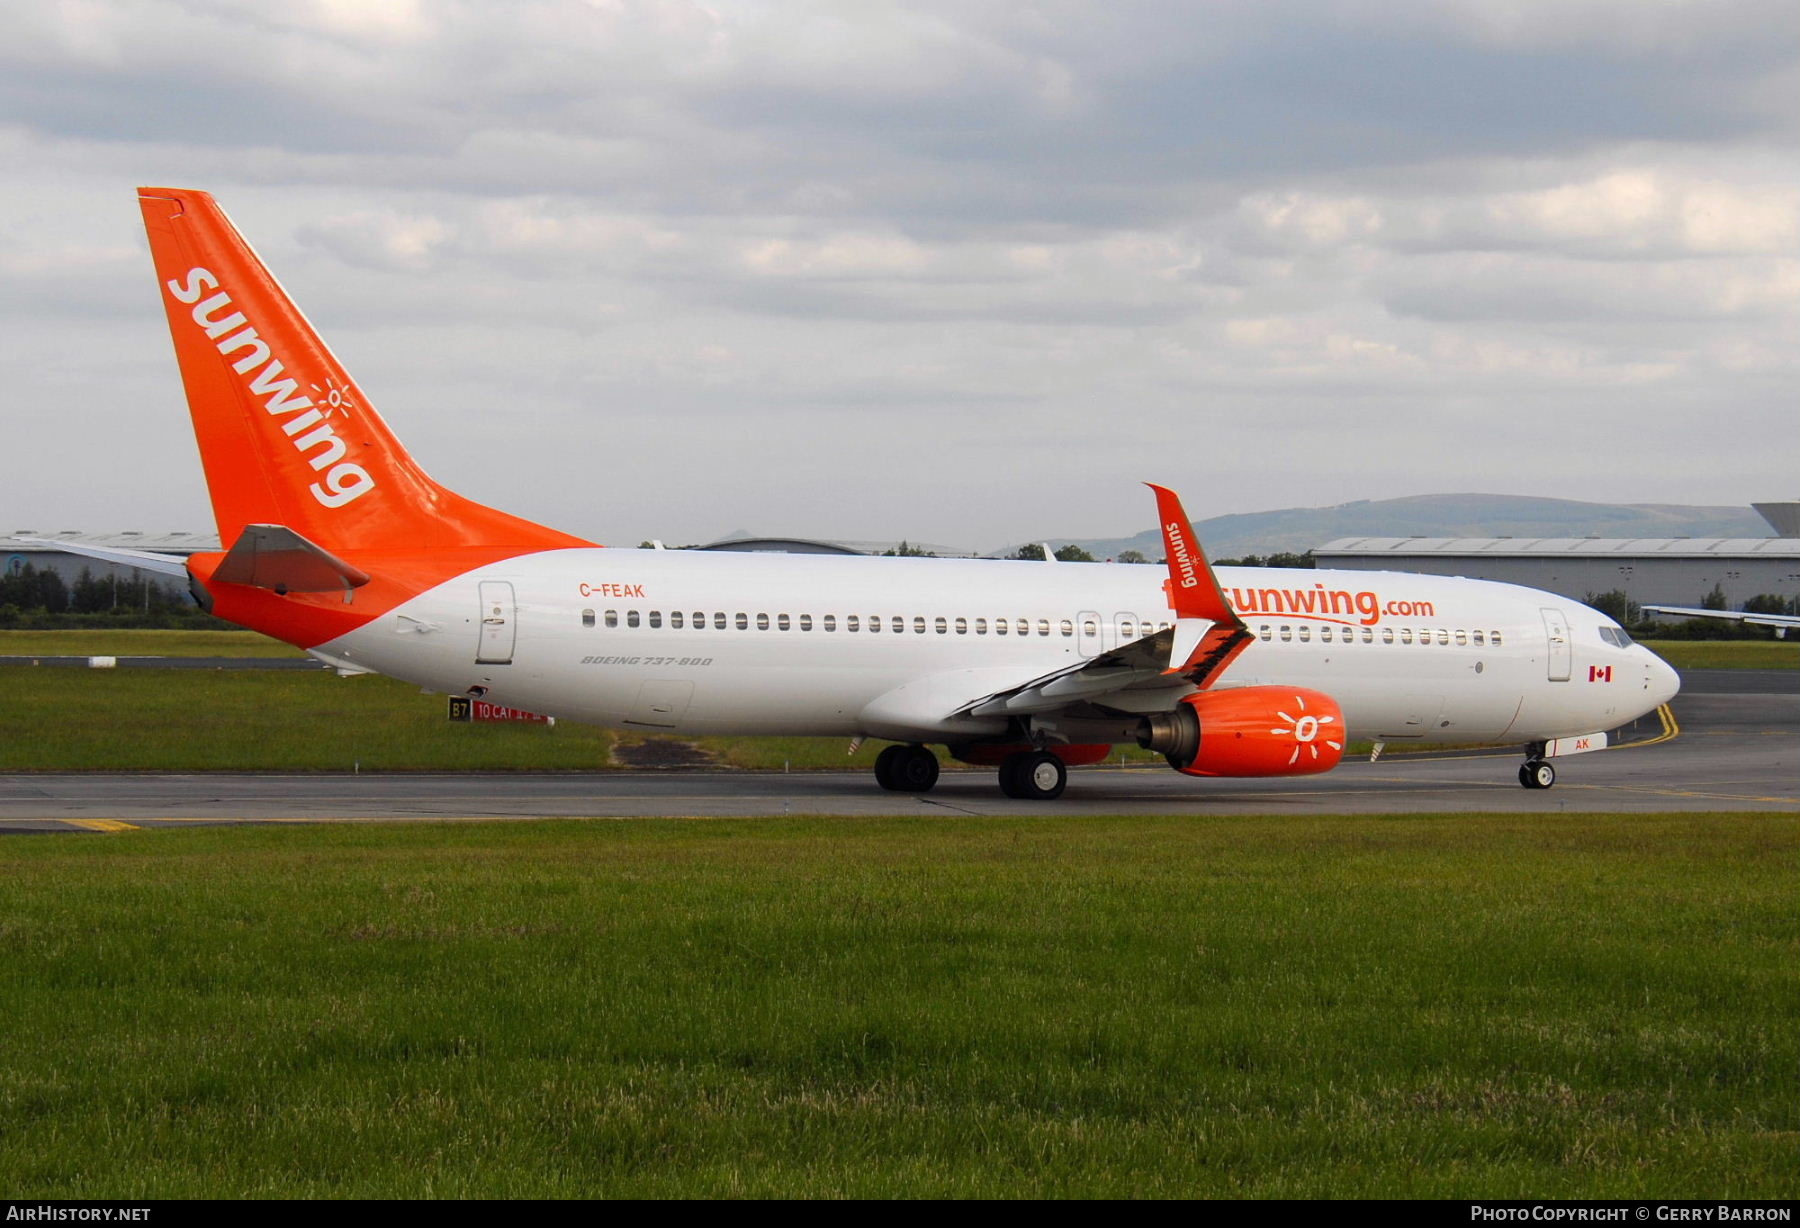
[1648, 570]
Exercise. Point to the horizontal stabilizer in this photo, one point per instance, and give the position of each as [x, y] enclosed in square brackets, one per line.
[275, 557]
[143, 560]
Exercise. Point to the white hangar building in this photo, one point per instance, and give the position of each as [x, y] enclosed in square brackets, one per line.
[1649, 570]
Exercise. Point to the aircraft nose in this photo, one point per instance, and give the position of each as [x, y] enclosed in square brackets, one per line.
[1665, 683]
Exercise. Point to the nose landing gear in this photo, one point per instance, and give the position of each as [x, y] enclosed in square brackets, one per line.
[1536, 772]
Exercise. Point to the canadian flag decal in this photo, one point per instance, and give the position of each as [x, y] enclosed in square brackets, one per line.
[1599, 673]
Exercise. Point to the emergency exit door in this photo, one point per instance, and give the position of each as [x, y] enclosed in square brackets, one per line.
[498, 623]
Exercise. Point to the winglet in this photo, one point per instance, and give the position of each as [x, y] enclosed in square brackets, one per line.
[1208, 633]
[1193, 591]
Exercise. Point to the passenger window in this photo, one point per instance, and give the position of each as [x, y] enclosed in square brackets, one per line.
[743, 622]
[781, 622]
[1043, 626]
[612, 618]
[1000, 626]
[829, 622]
[1462, 639]
[981, 626]
[1325, 635]
[1305, 633]
[1424, 635]
[805, 622]
[1127, 629]
[719, 621]
[587, 618]
[942, 626]
[1479, 638]
[1494, 638]
[1368, 635]
[918, 625]
[962, 626]
[875, 623]
[1287, 633]
[1443, 636]
[675, 619]
[631, 618]
[1387, 635]
[852, 623]
[1024, 627]
[1089, 627]
[1265, 633]
[1068, 627]
[899, 624]
[656, 618]
[1406, 635]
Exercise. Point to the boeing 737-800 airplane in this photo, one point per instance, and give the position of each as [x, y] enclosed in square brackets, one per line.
[339, 543]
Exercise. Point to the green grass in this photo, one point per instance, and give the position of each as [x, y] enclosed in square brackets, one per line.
[210, 720]
[1436, 1006]
[129, 643]
[246, 720]
[1727, 654]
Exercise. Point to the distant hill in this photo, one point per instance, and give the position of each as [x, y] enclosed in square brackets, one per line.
[1299, 529]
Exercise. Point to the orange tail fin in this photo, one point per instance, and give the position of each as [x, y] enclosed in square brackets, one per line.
[285, 435]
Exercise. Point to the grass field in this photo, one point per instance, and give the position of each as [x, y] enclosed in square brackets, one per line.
[1454, 1006]
[129, 643]
[1728, 654]
[245, 720]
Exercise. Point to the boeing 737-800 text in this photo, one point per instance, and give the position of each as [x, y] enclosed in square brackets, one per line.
[339, 543]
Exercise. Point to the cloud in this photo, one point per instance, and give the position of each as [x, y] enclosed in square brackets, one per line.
[818, 258]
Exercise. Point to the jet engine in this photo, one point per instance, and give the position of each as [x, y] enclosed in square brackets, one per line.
[1248, 731]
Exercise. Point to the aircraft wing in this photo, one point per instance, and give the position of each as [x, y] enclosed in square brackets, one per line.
[1778, 621]
[1206, 638]
[143, 560]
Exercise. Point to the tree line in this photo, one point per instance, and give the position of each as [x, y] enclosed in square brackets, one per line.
[39, 599]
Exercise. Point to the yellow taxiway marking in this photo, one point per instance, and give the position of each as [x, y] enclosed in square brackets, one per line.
[1670, 730]
[101, 824]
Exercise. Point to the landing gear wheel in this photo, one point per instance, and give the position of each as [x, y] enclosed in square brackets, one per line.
[1033, 776]
[1537, 774]
[906, 769]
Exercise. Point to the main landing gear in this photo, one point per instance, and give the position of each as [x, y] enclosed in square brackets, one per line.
[906, 768]
[1033, 776]
[1536, 772]
[1028, 775]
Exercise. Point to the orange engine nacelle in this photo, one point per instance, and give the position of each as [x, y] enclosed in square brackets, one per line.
[1249, 731]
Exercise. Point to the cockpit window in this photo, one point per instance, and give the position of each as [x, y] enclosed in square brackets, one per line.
[1618, 637]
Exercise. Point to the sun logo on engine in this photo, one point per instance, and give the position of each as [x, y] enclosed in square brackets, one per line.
[1307, 731]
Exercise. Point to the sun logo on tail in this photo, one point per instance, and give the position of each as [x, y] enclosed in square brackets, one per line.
[335, 396]
[1307, 731]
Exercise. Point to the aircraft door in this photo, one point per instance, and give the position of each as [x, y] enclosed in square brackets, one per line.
[499, 618]
[1088, 633]
[1556, 632]
[1124, 629]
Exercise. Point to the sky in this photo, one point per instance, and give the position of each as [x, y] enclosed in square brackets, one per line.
[965, 273]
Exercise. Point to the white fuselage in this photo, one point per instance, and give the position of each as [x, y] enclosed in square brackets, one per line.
[707, 643]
